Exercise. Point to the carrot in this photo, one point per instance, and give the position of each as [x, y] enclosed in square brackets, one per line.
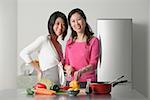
[44, 91]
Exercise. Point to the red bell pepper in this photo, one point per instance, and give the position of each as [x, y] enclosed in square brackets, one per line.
[39, 85]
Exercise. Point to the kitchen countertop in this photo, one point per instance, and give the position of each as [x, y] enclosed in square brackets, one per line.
[120, 92]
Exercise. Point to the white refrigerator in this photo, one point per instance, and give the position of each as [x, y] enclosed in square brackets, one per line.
[116, 46]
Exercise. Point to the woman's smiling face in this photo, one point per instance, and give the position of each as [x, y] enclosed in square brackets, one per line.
[77, 23]
[59, 26]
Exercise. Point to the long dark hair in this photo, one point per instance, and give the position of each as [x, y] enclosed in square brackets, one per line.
[52, 20]
[88, 31]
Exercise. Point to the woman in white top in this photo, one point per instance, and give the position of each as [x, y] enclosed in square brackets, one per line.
[48, 48]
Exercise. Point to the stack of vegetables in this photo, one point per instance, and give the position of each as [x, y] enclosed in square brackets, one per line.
[45, 87]
[74, 85]
[74, 88]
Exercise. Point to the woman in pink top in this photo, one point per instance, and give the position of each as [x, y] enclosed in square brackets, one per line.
[82, 50]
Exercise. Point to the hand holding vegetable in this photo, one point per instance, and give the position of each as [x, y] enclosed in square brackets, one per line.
[69, 70]
[78, 74]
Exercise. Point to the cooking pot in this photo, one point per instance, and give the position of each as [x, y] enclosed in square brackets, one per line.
[105, 87]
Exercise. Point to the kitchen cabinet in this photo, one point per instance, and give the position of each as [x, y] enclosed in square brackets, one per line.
[116, 46]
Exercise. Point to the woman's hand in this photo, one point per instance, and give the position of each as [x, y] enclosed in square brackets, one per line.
[35, 63]
[78, 74]
[69, 70]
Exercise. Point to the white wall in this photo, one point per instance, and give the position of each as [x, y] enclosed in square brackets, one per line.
[8, 44]
[140, 53]
[149, 50]
[33, 16]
